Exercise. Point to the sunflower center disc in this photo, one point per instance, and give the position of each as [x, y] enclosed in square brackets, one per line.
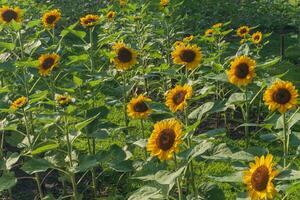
[166, 139]
[260, 178]
[188, 55]
[50, 19]
[9, 15]
[243, 31]
[48, 63]
[242, 70]
[88, 21]
[140, 107]
[256, 37]
[179, 97]
[124, 55]
[282, 96]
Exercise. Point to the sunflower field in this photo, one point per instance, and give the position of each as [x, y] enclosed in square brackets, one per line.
[149, 99]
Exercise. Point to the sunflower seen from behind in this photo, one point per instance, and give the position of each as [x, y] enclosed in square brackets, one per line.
[209, 32]
[243, 31]
[242, 71]
[89, 20]
[51, 18]
[111, 15]
[19, 103]
[281, 96]
[138, 107]
[188, 55]
[125, 57]
[47, 62]
[259, 178]
[177, 97]
[256, 37]
[165, 139]
[7, 14]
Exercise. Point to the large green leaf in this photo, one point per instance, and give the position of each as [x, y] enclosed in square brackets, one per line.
[83, 124]
[44, 148]
[7, 181]
[199, 112]
[36, 165]
[11, 160]
[236, 177]
[288, 175]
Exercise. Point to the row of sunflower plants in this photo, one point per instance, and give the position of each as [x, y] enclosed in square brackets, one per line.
[146, 102]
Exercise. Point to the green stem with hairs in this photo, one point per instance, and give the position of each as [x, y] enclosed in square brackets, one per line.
[178, 179]
[285, 142]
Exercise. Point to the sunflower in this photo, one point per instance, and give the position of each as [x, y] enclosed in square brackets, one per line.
[89, 20]
[51, 18]
[256, 37]
[63, 100]
[18, 103]
[188, 38]
[123, 2]
[242, 31]
[178, 43]
[125, 57]
[281, 96]
[188, 55]
[47, 62]
[165, 139]
[8, 14]
[209, 32]
[176, 98]
[217, 25]
[164, 3]
[259, 178]
[242, 71]
[111, 15]
[138, 107]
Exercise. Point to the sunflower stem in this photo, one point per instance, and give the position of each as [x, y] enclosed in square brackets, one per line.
[125, 100]
[246, 118]
[285, 142]
[178, 179]
[143, 133]
[21, 44]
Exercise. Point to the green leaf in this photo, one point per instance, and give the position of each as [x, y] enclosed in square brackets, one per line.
[33, 23]
[200, 111]
[80, 58]
[236, 177]
[288, 175]
[6, 45]
[11, 160]
[83, 124]
[15, 25]
[44, 148]
[86, 163]
[148, 192]
[200, 149]
[77, 81]
[7, 181]
[270, 63]
[36, 165]
[236, 98]
[123, 166]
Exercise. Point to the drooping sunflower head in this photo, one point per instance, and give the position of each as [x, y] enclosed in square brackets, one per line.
[47, 62]
[8, 14]
[63, 100]
[188, 55]
[281, 96]
[89, 20]
[242, 71]
[209, 32]
[125, 57]
[243, 31]
[18, 103]
[259, 178]
[217, 25]
[110, 15]
[51, 18]
[256, 37]
[138, 107]
[177, 97]
[164, 3]
[165, 139]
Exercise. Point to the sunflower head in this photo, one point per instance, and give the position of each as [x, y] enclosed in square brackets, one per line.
[243, 31]
[242, 71]
[89, 20]
[123, 2]
[164, 3]
[165, 139]
[188, 38]
[256, 37]
[47, 62]
[51, 18]
[8, 14]
[209, 32]
[110, 15]
[188, 55]
[138, 107]
[177, 97]
[217, 25]
[125, 57]
[18, 103]
[63, 100]
[259, 178]
[281, 96]
[177, 43]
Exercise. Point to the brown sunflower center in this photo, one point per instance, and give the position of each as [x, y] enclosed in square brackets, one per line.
[51, 19]
[282, 96]
[48, 63]
[124, 55]
[260, 178]
[243, 31]
[242, 70]
[9, 15]
[166, 139]
[90, 20]
[140, 107]
[179, 97]
[257, 37]
[188, 55]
